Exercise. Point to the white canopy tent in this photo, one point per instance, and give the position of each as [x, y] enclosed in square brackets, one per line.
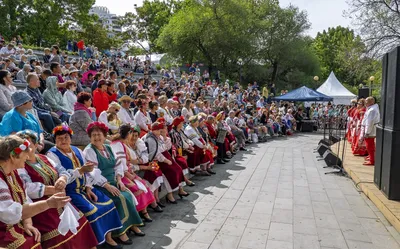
[333, 88]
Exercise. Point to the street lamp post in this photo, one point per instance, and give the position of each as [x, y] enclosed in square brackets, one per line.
[371, 80]
[240, 61]
[316, 79]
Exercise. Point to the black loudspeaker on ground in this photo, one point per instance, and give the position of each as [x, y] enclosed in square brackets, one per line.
[334, 139]
[322, 148]
[331, 159]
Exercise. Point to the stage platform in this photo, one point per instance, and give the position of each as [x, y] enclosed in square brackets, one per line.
[363, 177]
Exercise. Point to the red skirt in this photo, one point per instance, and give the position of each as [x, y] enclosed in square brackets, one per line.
[181, 161]
[359, 149]
[47, 223]
[173, 173]
[197, 158]
[210, 156]
[144, 199]
[17, 238]
[155, 178]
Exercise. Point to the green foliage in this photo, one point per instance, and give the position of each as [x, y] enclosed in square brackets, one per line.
[146, 23]
[341, 51]
[95, 34]
[43, 22]
[268, 39]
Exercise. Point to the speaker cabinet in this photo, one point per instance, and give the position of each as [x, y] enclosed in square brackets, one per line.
[334, 139]
[307, 126]
[378, 158]
[322, 148]
[363, 93]
[325, 141]
[382, 104]
[392, 104]
[390, 176]
[331, 159]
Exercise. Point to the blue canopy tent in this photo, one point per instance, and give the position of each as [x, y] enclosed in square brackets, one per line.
[303, 94]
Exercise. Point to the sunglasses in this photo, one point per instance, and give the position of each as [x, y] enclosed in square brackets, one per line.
[126, 101]
[116, 110]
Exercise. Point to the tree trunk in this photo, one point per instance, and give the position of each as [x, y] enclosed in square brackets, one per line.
[274, 72]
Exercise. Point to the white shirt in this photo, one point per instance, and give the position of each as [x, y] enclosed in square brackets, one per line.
[126, 117]
[5, 52]
[10, 211]
[69, 100]
[168, 118]
[216, 92]
[103, 119]
[142, 120]
[371, 119]
[260, 104]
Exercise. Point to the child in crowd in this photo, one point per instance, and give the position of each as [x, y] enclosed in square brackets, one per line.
[113, 119]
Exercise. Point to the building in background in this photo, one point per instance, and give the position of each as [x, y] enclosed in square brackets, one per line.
[109, 21]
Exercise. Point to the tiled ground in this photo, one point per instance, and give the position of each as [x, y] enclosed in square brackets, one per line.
[276, 196]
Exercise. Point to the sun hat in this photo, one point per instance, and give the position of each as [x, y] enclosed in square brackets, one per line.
[20, 97]
[125, 97]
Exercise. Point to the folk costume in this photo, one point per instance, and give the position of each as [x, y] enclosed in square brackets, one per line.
[370, 120]
[198, 158]
[125, 203]
[12, 198]
[124, 154]
[36, 177]
[102, 215]
[173, 174]
[358, 147]
[143, 121]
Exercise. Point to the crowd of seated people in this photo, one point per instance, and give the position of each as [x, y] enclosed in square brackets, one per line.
[104, 151]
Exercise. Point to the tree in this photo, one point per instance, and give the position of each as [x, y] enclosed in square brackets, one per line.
[267, 38]
[95, 34]
[280, 42]
[341, 51]
[379, 23]
[145, 25]
[45, 21]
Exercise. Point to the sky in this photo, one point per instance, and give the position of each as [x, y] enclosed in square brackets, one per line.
[322, 14]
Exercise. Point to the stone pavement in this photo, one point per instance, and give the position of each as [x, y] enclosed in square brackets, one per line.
[275, 196]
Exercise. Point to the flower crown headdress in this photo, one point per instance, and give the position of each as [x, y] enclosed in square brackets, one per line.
[101, 126]
[62, 127]
[22, 147]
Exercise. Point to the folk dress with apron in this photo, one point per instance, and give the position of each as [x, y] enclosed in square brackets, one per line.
[102, 215]
[124, 203]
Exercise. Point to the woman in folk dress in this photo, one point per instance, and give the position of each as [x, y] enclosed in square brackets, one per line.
[129, 163]
[110, 183]
[16, 211]
[96, 206]
[43, 178]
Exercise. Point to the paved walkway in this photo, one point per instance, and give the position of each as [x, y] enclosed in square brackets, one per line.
[275, 197]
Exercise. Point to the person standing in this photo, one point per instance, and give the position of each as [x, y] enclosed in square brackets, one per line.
[371, 119]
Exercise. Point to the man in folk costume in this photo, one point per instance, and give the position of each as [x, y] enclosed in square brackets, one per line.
[198, 161]
[371, 119]
[350, 123]
[141, 118]
[126, 114]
